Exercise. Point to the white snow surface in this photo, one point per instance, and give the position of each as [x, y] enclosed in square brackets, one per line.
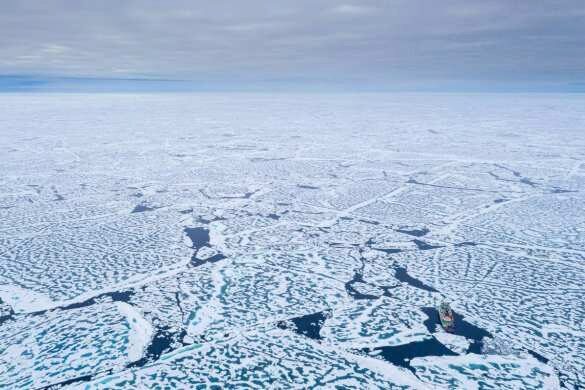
[140, 331]
[23, 300]
[292, 240]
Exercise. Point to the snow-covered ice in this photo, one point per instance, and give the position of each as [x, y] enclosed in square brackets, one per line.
[300, 240]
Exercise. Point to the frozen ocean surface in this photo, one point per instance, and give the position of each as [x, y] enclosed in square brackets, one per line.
[304, 241]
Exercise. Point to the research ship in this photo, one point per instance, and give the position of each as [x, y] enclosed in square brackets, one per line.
[446, 316]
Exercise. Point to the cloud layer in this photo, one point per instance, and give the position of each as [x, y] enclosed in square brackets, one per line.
[370, 43]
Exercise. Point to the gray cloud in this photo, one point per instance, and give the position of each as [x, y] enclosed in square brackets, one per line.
[373, 43]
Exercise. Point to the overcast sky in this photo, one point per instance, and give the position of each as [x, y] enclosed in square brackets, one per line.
[362, 44]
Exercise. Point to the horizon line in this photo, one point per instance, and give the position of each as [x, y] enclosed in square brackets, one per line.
[27, 83]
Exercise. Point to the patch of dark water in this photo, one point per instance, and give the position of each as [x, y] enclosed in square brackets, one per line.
[497, 177]
[307, 187]
[199, 236]
[466, 243]
[561, 191]
[308, 212]
[38, 189]
[355, 294]
[500, 200]
[423, 246]
[414, 181]
[525, 180]
[401, 274]
[8, 316]
[414, 232]
[206, 221]
[369, 222]
[262, 159]
[246, 195]
[179, 306]
[387, 289]
[388, 251]
[273, 216]
[564, 379]
[401, 355]
[5, 318]
[195, 262]
[460, 328]
[537, 356]
[216, 258]
[115, 296]
[165, 340]
[143, 208]
[79, 379]
[308, 325]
